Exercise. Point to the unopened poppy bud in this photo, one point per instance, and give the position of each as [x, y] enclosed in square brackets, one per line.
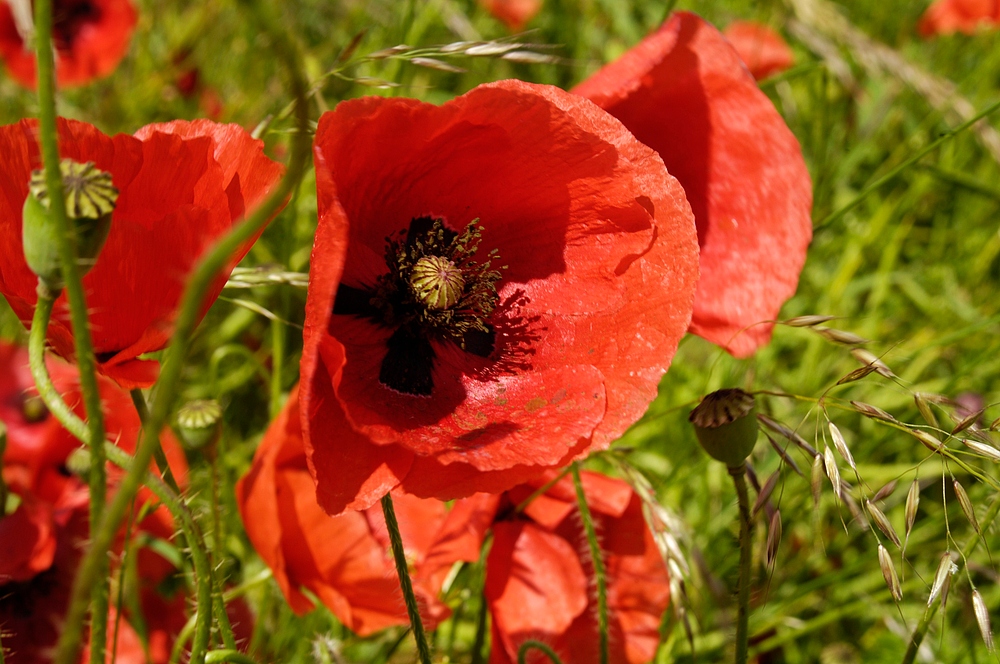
[78, 462]
[725, 423]
[437, 282]
[199, 423]
[90, 199]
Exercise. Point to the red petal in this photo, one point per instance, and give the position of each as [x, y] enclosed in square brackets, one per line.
[29, 541]
[514, 13]
[601, 254]
[947, 16]
[638, 590]
[762, 49]
[534, 584]
[684, 92]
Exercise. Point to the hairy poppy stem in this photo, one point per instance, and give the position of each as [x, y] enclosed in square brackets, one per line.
[207, 595]
[396, 540]
[66, 239]
[142, 410]
[738, 474]
[522, 652]
[925, 620]
[598, 560]
[207, 269]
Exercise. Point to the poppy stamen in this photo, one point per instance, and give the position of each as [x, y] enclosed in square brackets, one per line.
[433, 290]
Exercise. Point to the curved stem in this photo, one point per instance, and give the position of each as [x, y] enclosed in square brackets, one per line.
[43, 382]
[208, 268]
[399, 556]
[598, 560]
[142, 410]
[925, 620]
[522, 652]
[738, 474]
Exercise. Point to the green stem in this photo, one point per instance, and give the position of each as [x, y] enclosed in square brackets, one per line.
[208, 268]
[396, 540]
[66, 240]
[925, 620]
[595, 556]
[195, 542]
[142, 410]
[522, 652]
[738, 474]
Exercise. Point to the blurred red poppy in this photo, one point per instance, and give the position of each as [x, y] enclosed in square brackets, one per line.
[343, 560]
[539, 575]
[182, 185]
[50, 522]
[944, 17]
[514, 13]
[90, 37]
[684, 92]
[762, 49]
[435, 365]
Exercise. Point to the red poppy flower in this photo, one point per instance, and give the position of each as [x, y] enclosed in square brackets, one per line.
[343, 560]
[435, 365]
[944, 17]
[514, 13]
[181, 186]
[90, 36]
[539, 572]
[51, 521]
[762, 49]
[684, 92]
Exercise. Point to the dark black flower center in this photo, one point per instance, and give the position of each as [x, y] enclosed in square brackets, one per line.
[433, 290]
[68, 17]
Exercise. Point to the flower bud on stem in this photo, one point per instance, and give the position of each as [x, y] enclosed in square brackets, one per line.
[725, 423]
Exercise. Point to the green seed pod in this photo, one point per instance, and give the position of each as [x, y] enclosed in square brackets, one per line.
[725, 423]
[90, 200]
[199, 423]
[437, 282]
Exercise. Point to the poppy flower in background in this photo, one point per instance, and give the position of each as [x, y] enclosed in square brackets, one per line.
[343, 560]
[90, 37]
[762, 49]
[539, 575]
[496, 288]
[50, 524]
[684, 92]
[944, 17]
[181, 186]
[513, 13]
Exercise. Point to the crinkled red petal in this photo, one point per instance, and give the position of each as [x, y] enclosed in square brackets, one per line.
[535, 585]
[601, 256]
[684, 92]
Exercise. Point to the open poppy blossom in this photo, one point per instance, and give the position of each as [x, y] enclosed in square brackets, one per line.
[496, 287]
[684, 92]
[47, 529]
[762, 49]
[181, 185]
[343, 560]
[514, 13]
[90, 38]
[944, 17]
